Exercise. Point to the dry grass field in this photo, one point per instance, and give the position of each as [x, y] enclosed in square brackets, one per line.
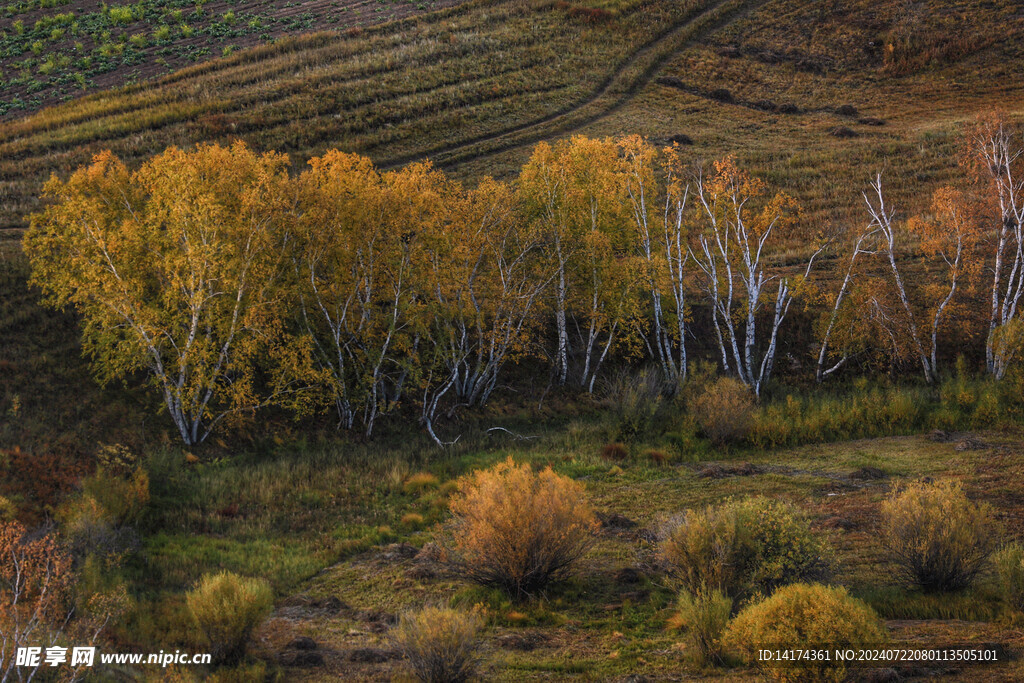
[473, 86]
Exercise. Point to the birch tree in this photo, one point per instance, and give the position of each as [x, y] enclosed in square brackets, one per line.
[547, 191]
[731, 251]
[838, 312]
[995, 150]
[481, 286]
[355, 257]
[176, 271]
[949, 239]
[883, 218]
[657, 207]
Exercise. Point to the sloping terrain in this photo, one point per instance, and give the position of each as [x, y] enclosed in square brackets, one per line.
[55, 50]
[809, 94]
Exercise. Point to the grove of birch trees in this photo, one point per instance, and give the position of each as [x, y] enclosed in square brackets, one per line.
[230, 283]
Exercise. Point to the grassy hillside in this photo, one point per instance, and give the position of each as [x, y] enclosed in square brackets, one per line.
[473, 86]
[56, 50]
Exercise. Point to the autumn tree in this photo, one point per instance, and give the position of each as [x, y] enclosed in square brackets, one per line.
[948, 239]
[35, 600]
[995, 153]
[176, 271]
[844, 311]
[357, 252]
[657, 211]
[739, 220]
[44, 604]
[481, 283]
[572, 192]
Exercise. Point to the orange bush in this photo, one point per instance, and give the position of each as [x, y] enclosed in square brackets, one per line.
[517, 529]
[35, 578]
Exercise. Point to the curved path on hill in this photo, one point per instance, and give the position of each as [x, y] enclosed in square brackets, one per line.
[617, 89]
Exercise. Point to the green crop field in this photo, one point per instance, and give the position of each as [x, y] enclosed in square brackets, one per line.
[354, 532]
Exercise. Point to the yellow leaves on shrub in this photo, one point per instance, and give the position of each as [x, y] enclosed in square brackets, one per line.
[799, 616]
[412, 519]
[703, 617]
[1009, 564]
[517, 529]
[744, 547]
[939, 539]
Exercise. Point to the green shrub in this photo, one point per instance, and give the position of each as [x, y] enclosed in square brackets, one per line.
[1009, 564]
[804, 615]
[8, 510]
[703, 617]
[226, 608]
[745, 547]
[724, 410]
[439, 644]
[939, 539]
[635, 399]
[786, 549]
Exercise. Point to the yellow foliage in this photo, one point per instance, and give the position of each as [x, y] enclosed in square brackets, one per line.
[939, 539]
[176, 270]
[744, 547]
[412, 519]
[703, 617]
[421, 481]
[804, 616]
[724, 410]
[226, 608]
[517, 529]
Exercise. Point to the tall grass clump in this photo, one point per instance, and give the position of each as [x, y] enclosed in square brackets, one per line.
[743, 548]
[800, 616]
[703, 617]
[635, 399]
[439, 644]
[724, 410]
[938, 538]
[1009, 563]
[226, 608]
[516, 529]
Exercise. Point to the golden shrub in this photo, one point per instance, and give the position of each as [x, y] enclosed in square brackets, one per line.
[226, 608]
[439, 644]
[940, 540]
[117, 459]
[706, 549]
[412, 519]
[703, 617]
[724, 410]
[808, 616]
[517, 529]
